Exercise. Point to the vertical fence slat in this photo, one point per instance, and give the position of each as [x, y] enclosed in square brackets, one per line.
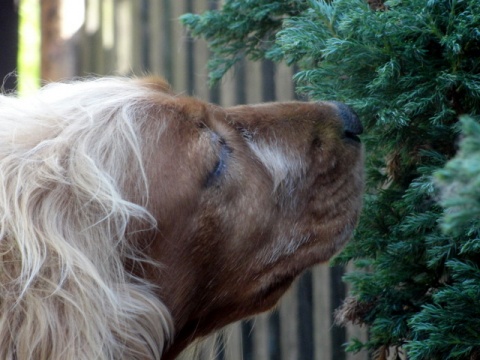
[136, 44]
[202, 54]
[228, 90]
[268, 69]
[157, 38]
[190, 47]
[337, 295]
[83, 50]
[145, 35]
[305, 316]
[178, 50]
[107, 36]
[274, 336]
[261, 338]
[283, 83]
[167, 40]
[247, 339]
[254, 78]
[233, 342]
[240, 82]
[92, 59]
[124, 38]
[321, 315]
[288, 310]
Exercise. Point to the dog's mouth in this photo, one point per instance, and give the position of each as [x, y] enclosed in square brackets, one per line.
[352, 136]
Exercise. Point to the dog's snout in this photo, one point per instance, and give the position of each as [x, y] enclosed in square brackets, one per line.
[351, 123]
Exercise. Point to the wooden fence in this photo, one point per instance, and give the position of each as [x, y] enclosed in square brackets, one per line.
[135, 37]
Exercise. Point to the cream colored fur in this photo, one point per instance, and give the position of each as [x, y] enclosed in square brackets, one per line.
[64, 216]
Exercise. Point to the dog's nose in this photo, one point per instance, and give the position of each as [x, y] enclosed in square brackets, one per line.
[351, 123]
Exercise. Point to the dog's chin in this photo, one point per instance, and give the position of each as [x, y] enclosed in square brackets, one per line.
[286, 269]
[269, 294]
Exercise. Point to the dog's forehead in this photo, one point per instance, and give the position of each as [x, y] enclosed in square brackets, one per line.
[157, 83]
[196, 111]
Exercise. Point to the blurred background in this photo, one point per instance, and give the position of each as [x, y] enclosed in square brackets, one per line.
[55, 40]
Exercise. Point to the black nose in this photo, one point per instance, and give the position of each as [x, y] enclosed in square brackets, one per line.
[351, 123]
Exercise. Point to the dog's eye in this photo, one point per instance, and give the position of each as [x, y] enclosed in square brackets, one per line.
[224, 152]
[246, 134]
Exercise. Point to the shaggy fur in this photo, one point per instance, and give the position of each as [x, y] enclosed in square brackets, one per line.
[133, 221]
[65, 293]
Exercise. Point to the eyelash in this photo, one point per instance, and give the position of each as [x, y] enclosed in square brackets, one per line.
[221, 164]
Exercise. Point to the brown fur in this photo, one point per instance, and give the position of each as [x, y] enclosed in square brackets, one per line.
[214, 241]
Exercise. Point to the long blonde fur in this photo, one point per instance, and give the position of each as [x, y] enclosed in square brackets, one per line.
[65, 211]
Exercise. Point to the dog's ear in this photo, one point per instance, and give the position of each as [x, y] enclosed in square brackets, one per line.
[157, 83]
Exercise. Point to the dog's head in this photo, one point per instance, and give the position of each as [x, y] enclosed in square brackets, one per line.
[246, 198]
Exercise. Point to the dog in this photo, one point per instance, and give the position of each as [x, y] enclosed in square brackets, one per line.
[134, 221]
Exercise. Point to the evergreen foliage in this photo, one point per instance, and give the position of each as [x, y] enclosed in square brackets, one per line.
[242, 27]
[449, 326]
[410, 68]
